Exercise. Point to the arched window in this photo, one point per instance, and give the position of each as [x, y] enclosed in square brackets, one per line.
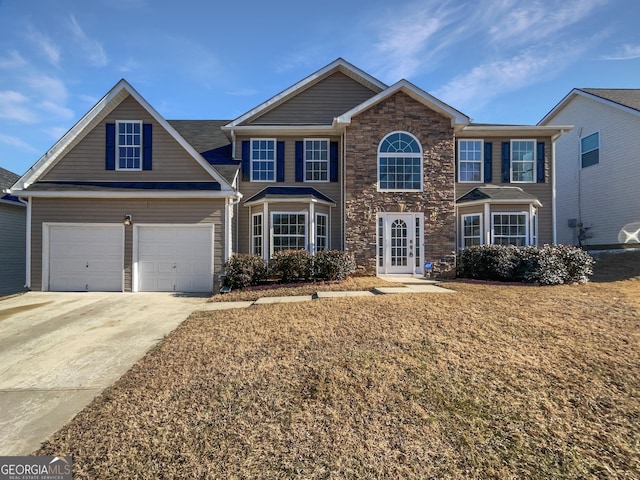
[399, 163]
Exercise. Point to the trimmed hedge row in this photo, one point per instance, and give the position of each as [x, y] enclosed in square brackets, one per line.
[243, 270]
[546, 265]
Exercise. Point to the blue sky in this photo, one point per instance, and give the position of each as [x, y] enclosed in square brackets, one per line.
[498, 61]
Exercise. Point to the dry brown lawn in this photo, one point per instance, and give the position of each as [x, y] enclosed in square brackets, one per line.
[495, 381]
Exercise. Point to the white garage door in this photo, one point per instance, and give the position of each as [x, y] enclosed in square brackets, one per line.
[86, 258]
[175, 258]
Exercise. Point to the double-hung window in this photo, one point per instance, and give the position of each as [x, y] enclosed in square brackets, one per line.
[590, 150]
[128, 145]
[256, 234]
[470, 161]
[399, 163]
[263, 159]
[510, 229]
[289, 231]
[316, 160]
[322, 232]
[471, 230]
[523, 161]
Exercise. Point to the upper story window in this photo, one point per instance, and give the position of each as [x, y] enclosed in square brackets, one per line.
[590, 150]
[470, 161]
[523, 161]
[128, 145]
[263, 159]
[316, 160]
[399, 163]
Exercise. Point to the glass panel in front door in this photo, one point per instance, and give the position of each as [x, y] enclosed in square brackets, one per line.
[399, 243]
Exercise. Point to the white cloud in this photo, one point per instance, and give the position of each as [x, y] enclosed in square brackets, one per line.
[242, 92]
[46, 46]
[56, 132]
[59, 111]
[12, 107]
[16, 142]
[14, 61]
[484, 82]
[626, 52]
[92, 48]
[50, 88]
[129, 66]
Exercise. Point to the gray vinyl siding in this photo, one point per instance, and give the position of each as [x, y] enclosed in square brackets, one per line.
[86, 160]
[12, 248]
[319, 103]
[542, 191]
[605, 195]
[333, 190]
[161, 211]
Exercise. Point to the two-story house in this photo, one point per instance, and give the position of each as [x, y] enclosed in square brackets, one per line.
[129, 201]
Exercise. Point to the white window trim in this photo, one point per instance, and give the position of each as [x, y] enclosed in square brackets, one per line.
[275, 159]
[327, 235]
[398, 155]
[471, 161]
[534, 161]
[527, 224]
[304, 159]
[306, 227]
[599, 148]
[117, 143]
[253, 235]
[481, 227]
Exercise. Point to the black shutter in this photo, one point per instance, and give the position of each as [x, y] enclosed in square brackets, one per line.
[246, 151]
[147, 140]
[299, 161]
[110, 154]
[280, 162]
[488, 161]
[540, 163]
[333, 162]
[506, 162]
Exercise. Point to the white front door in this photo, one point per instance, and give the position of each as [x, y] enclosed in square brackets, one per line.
[399, 243]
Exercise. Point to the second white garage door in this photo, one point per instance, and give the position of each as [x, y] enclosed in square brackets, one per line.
[174, 258]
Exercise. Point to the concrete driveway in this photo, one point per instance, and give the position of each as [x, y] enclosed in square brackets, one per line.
[59, 350]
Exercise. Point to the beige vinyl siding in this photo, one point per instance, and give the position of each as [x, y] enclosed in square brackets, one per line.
[12, 248]
[161, 211]
[607, 194]
[319, 103]
[542, 191]
[86, 161]
[333, 190]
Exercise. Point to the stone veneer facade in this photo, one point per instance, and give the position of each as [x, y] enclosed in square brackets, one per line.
[435, 133]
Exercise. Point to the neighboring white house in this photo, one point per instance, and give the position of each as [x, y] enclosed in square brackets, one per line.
[598, 168]
[13, 216]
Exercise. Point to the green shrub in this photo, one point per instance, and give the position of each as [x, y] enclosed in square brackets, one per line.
[333, 265]
[546, 265]
[291, 265]
[243, 270]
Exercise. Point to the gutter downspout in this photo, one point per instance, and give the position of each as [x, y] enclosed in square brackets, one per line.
[27, 276]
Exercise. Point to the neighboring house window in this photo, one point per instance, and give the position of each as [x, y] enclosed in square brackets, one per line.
[128, 145]
[470, 161]
[471, 230]
[523, 161]
[510, 229]
[316, 160]
[590, 150]
[263, 159]
[256, 234]
[289, 231]
[322, 232]
[399, 163]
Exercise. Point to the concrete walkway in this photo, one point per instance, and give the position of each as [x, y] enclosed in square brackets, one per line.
[406, 284]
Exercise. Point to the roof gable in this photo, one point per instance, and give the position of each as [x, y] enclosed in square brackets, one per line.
[339, 65]
[457, 118]
[627, 100]
[119, 93]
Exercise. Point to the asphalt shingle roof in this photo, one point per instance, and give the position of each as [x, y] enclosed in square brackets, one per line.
[289, 192]
[497, 193]
[628, 97]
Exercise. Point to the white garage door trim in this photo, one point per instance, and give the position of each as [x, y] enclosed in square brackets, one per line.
[46, 246]
[137, 274]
